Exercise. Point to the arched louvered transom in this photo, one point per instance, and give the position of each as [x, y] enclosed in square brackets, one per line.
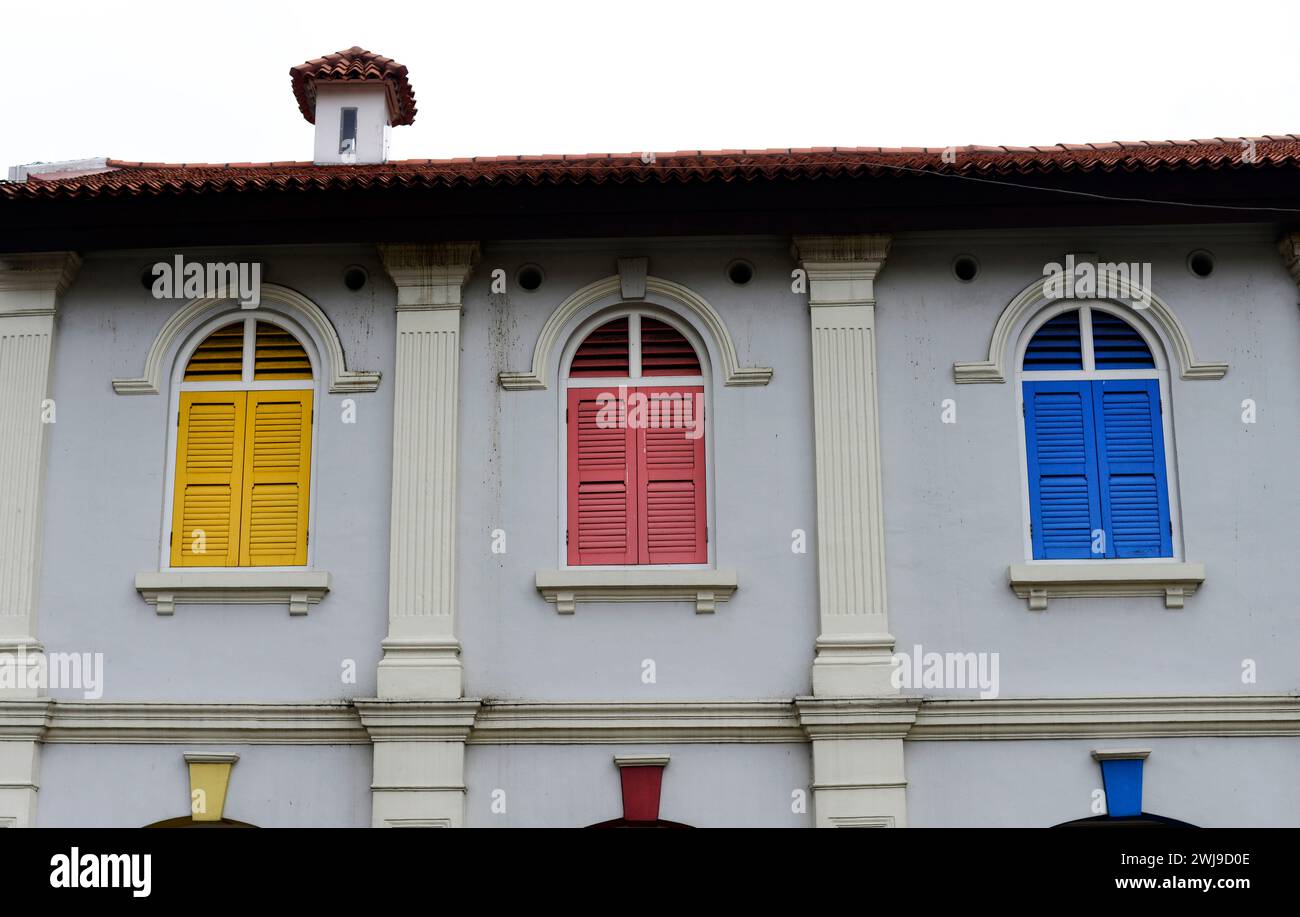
[665, 351]
[220, 358]
[1057, 345]
[248, 351]
[1087, 339]
[662, 350]
[1117, 345]
[279, 355]
[604, 352]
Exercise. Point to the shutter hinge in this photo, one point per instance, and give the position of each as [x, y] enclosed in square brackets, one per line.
[1171, 526]
[566, 415]
[171, 537]
[1023, 412]
[178, 417]
[566, 538]
[1031, 528]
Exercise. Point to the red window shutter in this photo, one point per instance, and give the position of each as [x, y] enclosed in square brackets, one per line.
[671, 503]
[665, 352]
[602, 479]
[604, 352]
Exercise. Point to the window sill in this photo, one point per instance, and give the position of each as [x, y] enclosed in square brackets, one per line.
[298, 589]
[1039, 582]
[565, 588]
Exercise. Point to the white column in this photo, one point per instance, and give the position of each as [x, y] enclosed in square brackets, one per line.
[854, 719]
[22, 727]
[30, 286]
[419, 724]
[421, 653]
[854, 645]
[419, 771]
[859, 778]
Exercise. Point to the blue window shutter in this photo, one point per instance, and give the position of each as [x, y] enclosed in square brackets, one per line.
[1056, 345]
[1117, 345]
[1131, 457]
[1061, 448]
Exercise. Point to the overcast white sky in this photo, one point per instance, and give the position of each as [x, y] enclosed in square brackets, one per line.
[184, 82]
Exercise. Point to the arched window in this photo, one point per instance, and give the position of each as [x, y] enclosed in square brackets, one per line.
[636, 462]
[243, 449]
[1095, 437]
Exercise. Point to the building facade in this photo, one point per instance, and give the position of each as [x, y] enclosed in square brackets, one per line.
[789, 489]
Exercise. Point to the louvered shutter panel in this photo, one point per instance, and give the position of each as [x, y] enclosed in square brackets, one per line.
[1056, 345]
[1061, 449]
[209, 464]
[665, 351]
[672, 512]
[220, 358]
[277, 354]
[277, 466]
[602, 479]
[1131, 458]
[604, 352]
[1117, 345]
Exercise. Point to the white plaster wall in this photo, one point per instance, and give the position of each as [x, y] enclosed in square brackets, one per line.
[271, 786]
[1209, 782]
[705, 786]
[953, 493]
[759, 644]
[106, 483]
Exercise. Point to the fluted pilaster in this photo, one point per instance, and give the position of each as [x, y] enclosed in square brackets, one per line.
[421, 653]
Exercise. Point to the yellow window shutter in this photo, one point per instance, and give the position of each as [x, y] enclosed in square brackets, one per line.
[209, 485]
[277, 471]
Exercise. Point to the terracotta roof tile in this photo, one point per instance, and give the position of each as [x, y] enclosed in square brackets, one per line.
[355, 65]
[122, 179]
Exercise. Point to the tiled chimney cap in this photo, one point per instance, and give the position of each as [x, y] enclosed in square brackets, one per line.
[355, 65]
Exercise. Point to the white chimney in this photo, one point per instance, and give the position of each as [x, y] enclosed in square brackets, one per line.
[354, 98]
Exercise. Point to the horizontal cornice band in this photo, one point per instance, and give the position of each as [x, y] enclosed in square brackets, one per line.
[669, 722]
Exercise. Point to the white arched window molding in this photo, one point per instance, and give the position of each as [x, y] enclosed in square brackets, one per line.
[1037, 295]
[1037, 580]
[565, 586]
[275, 298]
[613, 290]
[297, 587]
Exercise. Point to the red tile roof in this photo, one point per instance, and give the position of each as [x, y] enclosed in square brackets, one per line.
[355, 65]
[1000, 163]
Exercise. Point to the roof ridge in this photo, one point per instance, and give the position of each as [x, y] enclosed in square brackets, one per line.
[651, 157]
[128, 177]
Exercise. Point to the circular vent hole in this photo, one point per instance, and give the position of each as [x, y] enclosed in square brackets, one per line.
[1201, 263]
[740, 272]
[355, 277]
[529, 277]
[965, 267]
